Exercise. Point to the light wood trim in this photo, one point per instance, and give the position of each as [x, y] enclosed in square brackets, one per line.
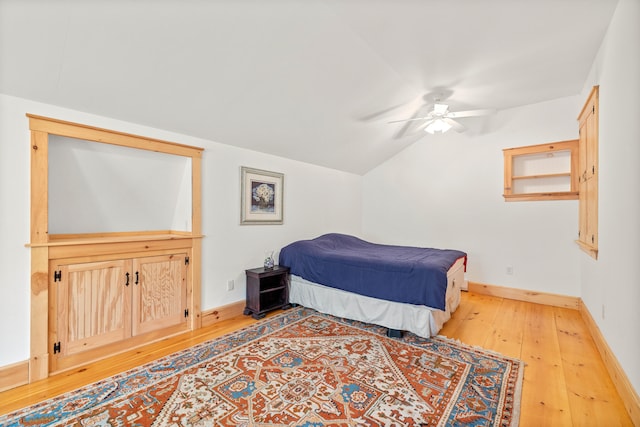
[39, 301]
[91, 133]
[39, 325]
[196, 247]
[544, 298]
[14, 375]
[108, 238]
[104, 254]
[593, 252]
[225, 312]
[627, 393]
[594, 96]
[39, 181]
[567, 145]
[560, 195]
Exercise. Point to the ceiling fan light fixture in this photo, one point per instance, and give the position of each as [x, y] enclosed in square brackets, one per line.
[440, 109]
[438, 125]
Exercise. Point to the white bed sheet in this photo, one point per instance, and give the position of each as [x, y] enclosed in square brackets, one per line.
[419, 319]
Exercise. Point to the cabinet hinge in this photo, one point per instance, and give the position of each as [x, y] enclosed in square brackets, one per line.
[186, 260]
[593, 109]
[186, 312]
[56, 347]
[593, 240]
[57, 276]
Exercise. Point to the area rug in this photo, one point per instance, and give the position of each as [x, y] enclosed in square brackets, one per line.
[300, 368]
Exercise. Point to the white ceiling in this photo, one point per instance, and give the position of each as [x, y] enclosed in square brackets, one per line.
[311, 80]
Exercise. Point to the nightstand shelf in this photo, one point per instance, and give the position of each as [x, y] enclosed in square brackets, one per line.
[267, 289]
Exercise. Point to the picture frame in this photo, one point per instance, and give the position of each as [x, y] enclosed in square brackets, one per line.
[261, 196]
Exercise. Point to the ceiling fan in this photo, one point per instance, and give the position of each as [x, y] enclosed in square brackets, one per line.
[440, 119]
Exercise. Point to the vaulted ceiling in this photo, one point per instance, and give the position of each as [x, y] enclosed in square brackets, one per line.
[311, 80]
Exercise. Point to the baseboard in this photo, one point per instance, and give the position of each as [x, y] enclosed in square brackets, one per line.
[627, 393]
[14, 375]
[554, 300]
[210, 317]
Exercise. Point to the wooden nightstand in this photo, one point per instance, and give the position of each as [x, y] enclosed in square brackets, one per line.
[267, 289]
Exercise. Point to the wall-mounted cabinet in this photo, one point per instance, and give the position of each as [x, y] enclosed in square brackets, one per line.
[541, 172]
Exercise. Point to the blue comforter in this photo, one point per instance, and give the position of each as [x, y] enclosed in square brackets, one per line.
[395, 273]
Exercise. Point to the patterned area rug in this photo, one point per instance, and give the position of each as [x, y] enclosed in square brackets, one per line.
[300, 368]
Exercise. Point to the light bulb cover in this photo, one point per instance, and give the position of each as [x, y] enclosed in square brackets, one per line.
[437, 125]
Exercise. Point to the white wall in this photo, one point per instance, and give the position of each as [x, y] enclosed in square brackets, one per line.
[446, 191]
[106, 188]
[317, 200]
[611, 285]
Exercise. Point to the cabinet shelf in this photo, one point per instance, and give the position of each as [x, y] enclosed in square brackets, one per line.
[279, 288]
[541, 172]
[543, 175]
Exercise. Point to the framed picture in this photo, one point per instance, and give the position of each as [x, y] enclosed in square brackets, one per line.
[261, 196]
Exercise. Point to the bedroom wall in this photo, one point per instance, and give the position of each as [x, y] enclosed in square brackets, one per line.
[610, 286]
[317, 200]
[445, 191]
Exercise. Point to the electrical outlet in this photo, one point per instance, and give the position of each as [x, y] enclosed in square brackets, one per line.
[602, 311]
[509, 270]
[230, 285]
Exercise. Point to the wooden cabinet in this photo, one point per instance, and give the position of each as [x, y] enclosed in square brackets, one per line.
[267, 289]
[541, 172]
[101, 303]
[80, 306]
[588, 175]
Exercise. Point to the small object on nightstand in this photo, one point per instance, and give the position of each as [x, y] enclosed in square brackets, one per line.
[267, 289]
[269, 262]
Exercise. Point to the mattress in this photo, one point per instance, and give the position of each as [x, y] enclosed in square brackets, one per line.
[419, 319]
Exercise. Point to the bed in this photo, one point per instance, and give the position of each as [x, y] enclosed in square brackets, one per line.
[401, 288]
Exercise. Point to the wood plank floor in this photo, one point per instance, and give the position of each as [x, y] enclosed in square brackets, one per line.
[565, 380]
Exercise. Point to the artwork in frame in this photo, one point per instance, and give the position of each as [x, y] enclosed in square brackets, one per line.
[261, 197]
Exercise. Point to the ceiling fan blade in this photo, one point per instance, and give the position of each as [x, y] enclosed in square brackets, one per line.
[469, 113]
[410, 120]
[455, 125]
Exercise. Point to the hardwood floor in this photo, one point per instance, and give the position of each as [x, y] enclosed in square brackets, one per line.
[565, 380]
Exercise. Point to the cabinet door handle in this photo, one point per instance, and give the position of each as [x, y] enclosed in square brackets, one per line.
[127, 282]
[137, 278]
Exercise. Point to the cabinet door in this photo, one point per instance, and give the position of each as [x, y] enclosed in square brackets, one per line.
[160, 293]
[92, 305]
[588, 211]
